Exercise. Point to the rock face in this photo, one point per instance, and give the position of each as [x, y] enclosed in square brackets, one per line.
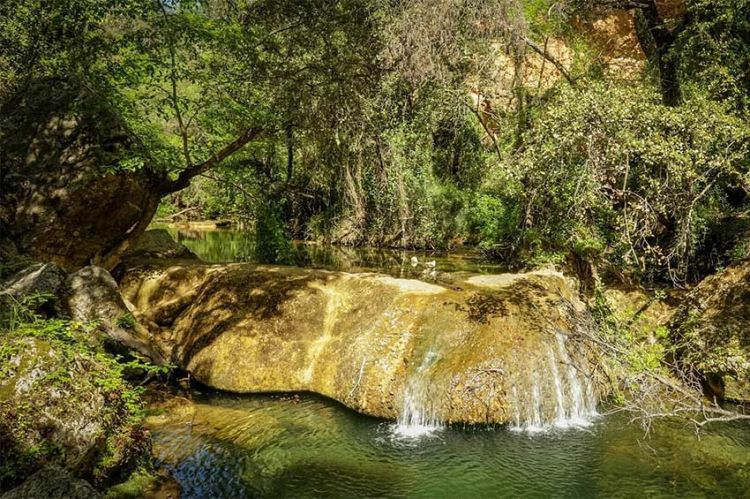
[65, 198]
[712, 331]
[482, 349]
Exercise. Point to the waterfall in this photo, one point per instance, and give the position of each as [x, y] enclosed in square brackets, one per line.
[418, 414]
[554, 394]
[545, 390]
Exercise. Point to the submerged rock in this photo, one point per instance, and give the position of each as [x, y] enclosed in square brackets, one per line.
[486, 349]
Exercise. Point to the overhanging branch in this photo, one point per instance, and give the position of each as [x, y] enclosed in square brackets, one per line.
[183, 179]
[555, 62]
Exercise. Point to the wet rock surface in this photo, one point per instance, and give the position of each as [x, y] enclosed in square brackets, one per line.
[481, 350]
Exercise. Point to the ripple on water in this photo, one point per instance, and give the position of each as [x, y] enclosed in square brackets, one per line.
[269, 447]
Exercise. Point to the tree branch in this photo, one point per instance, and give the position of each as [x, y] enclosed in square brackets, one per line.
[174, 95]
[625, 4]
[183, 179]
[544, 53]
[486, 127]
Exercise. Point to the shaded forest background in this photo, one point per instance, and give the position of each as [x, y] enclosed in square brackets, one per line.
[610, 134]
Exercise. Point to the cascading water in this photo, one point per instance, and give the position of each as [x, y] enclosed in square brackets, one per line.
[555, 394]
[545, 389]
[418, 413]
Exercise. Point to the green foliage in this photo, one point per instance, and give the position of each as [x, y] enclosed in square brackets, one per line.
[15, 313]
[408, 124]
[610, 173]
[271, 242]
[126, 321]
[72, 364]
[137, 485]
[494, 223]
[714, 52]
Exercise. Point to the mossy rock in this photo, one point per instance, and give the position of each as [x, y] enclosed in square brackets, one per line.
[61, 403]
[712, 331]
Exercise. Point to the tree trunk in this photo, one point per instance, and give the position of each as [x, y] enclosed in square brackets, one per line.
[657, 40]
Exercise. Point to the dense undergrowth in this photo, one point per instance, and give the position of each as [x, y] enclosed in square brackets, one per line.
[507, 124]
[602, 169]
[66, 400]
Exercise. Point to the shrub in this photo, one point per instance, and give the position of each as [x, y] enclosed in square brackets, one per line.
[609, 171]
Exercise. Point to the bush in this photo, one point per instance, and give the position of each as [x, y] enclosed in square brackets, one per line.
[609, 172]
[63, 400]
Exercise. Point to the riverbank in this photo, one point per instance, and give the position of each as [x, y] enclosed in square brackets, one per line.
[633, 320]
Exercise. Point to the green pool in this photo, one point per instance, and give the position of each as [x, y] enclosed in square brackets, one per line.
[308, 446]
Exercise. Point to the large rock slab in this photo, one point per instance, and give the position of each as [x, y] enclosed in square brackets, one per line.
[481, 349]
[712, 332]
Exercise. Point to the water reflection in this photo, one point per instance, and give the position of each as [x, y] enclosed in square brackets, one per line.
[307, 446]
[225, 245]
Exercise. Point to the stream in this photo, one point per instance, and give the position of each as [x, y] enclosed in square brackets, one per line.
[304, 445]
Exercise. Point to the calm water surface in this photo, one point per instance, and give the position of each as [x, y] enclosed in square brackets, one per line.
[237, 246]
[272, 446]
[308, 446]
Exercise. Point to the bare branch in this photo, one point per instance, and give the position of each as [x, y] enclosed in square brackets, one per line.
[555, 62]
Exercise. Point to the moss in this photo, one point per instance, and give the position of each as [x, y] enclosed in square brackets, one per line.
[145, 482]
[136, 486]
[63, 400]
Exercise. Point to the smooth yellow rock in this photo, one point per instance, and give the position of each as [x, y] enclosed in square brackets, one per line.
[358, 338]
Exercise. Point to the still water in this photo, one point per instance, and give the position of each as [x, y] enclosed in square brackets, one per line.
[307, 446]
[303, 445]
[237, 246]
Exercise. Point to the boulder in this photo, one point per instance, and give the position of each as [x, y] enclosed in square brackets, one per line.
[53, 482]
[712, 332]
[62, 403]
[157, 243]
[93, 295]
[37, 287]
[66, 196]
[483, 349]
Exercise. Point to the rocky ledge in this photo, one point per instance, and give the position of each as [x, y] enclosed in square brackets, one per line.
[475, 348]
